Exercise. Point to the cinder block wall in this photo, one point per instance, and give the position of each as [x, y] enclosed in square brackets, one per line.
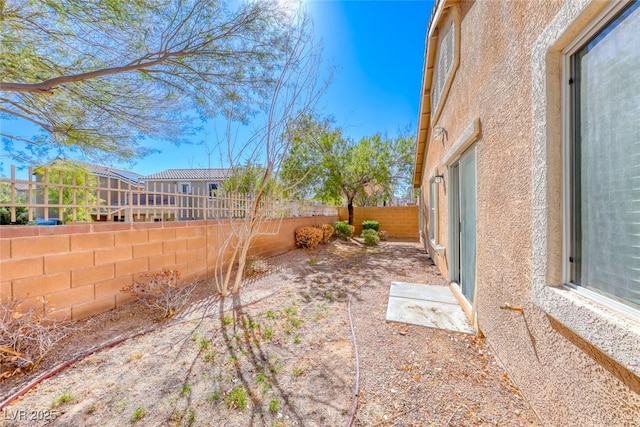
[398, 221]
[75, 271]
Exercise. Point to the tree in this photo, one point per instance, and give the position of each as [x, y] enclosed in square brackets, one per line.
[74, 192]
[325, 165]
[22, 214]
[255, 162]
[98, 76]
[399, 152]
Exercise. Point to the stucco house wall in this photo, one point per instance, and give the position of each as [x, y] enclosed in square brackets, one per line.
[504, 97]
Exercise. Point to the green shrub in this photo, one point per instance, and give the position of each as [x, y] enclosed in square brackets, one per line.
[22, 215]
[343, 230]
[370, 225]
[370, 237]
[308, 237]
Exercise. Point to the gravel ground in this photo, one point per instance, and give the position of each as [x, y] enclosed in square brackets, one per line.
[283, 357]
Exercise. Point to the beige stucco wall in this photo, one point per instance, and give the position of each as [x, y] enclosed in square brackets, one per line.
[567, 380]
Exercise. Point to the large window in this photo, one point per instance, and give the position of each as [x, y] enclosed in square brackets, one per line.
[604, 247]
[446, 60]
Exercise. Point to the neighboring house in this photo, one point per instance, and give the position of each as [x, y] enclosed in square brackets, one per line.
[110, 188]
[187, 181]
[528, 160]
[192, 188]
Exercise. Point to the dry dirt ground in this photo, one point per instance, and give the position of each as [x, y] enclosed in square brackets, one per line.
[284, 357]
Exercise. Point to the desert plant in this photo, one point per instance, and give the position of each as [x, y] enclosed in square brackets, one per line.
[25, 336]
[62, 399]
[343, 230]
[370, 237]
[308, 237]
[236, 398]
[274, 406]
[161, 291]
[268, 333]
[191, 418]
[255, 266]
[383, 235]
[138, 413]
[186, 389]
[370, 225]
[328, 232]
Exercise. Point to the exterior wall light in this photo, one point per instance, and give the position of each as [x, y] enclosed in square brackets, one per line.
[438, 179]
[439, 131]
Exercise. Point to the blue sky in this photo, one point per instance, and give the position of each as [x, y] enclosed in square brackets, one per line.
[378, 50]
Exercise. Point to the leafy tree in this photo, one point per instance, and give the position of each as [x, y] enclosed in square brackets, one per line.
[73, 192]
[247, 180]
[99, 75]
[399, 154]
[325, 165]
[22, 214]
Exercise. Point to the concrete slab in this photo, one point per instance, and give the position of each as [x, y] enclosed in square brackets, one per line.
[422, 292]
[426, 305]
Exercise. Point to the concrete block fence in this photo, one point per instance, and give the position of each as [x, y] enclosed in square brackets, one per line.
[75, 271]
[398, 221]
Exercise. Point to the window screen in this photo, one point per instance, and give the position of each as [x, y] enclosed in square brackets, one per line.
[605, 204]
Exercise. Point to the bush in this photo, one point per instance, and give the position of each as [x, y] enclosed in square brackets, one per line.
[327, 232]
[370, 237]
[161, 291]
[255, 266]
[370, 225]
[26, 337]
[22, 215]
[383, 235]
[343, 230]
[308, 237]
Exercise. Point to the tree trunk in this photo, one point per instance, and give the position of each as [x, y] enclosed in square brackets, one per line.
[350, 209]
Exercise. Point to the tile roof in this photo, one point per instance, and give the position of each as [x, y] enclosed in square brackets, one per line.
[100, 170]
[202, 174]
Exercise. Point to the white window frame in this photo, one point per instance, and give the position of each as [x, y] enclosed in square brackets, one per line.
[434, 205]
[611, 327]
[450, 27]
[433, 212]
[210, 191]
[181, 186]
[573, 48]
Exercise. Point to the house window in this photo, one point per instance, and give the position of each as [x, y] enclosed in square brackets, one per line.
[213, 188]
[433, 211]
[558, 222]
[446, 60]
[604, 153]
[444, 65]
[184, 187]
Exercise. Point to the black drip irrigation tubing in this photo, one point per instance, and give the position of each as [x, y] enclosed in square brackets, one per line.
[109, 344]
[356, 387]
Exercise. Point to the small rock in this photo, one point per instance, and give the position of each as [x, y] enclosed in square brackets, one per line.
[393, 391]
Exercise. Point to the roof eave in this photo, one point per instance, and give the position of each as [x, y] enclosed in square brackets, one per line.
[424, 114]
